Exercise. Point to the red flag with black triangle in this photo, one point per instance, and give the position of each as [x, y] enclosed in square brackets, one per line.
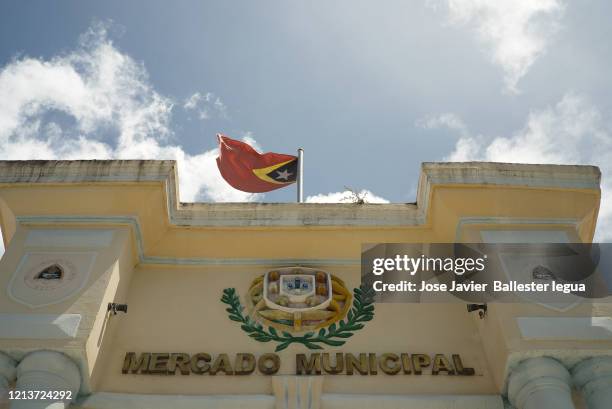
[250, 171]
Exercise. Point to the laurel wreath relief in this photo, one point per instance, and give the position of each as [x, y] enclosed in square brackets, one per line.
[361, 312]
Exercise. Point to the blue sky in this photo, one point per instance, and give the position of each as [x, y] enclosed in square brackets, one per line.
[369, 89]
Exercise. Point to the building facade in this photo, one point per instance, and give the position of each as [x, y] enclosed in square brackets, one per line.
[120, 296]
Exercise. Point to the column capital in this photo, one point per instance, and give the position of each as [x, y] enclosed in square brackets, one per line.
[538, 378]
[47, 371]
[51, 362]
[297, 392]
[7, 375]
[7, 367]
[594, 377]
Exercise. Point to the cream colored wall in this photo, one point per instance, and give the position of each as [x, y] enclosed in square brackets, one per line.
[107, 281]
[178, 310]
[505, 346]
[448, 205]
[103, 334]
[145, 200]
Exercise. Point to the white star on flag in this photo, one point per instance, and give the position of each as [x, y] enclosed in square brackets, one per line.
[284, 174]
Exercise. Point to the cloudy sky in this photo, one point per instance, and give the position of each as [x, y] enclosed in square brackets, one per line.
[369, 89]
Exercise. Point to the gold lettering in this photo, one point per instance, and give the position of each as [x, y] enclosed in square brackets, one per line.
[373, 366]
[461, 370]
[304, 367]
[441, 364]
[131, 364]
[222, 363]
[268, 364]
[199, 363]
[181, 361]
[419, 361]
[406, 364]
[306, 364]
[361, 364]
[327, 367]
[245, 364]
[384, 364]
[159, 363]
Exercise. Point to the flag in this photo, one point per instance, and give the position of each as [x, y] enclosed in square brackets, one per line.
[250, 171]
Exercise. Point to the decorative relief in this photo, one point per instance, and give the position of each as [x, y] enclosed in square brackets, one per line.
[54, 272]
[45, 278]
[50, 275]
[309, 302]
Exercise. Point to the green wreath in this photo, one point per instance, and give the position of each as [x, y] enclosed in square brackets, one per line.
[361, 312]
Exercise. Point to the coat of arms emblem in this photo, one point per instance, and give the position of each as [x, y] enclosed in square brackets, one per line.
[294, 302]
[47, 278]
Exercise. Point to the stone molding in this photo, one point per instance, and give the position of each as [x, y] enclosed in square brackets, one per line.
[8, 372]
[48, 370]
[593, 377]
[540, 383]
[8, 367]
[39, 326]
[297, 392]
[303, 214]
[110, 400]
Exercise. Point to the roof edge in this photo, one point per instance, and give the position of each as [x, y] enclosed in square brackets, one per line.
[292, 214]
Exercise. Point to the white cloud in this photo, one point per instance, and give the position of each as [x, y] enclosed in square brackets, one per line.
[447, 120]
[345, 197]
[96, 102]
[573, 131]
[248, 138]
[466, 149]
[206, 105]
[467, 146]
[516, 32]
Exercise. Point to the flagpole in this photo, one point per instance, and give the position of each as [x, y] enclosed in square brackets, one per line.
[300, 176]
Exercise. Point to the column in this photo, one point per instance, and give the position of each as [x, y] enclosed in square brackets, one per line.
[46, 371]
[594, 377]
[540, 383]
[297, 392]
[7, 375]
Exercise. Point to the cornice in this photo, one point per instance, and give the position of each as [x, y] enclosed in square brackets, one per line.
[294, 214]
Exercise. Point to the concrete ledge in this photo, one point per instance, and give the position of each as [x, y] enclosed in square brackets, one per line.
[107, 400]
[79, 171]
[341, 401]
[39, 326]
[513, 174]
[304, 214]
[61, 238]
[565, 328]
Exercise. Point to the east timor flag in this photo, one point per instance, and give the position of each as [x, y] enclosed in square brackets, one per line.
[250, 171]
